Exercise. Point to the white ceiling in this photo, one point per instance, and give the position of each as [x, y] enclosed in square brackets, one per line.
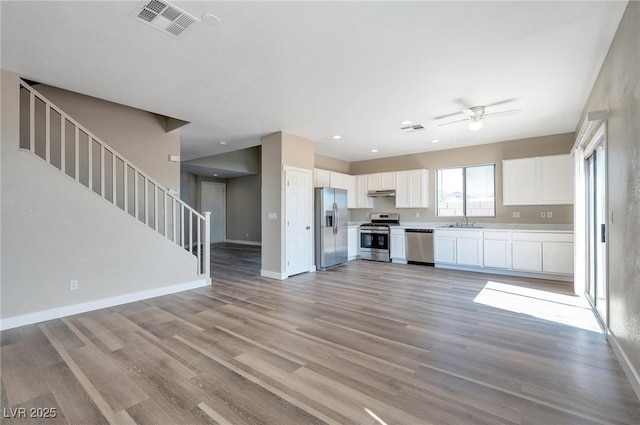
[316, 69]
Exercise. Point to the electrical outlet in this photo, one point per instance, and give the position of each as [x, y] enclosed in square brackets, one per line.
[515, 214]
[247, 235]
[417, 215]
[73, 285]
[543, 214]
[549, 214]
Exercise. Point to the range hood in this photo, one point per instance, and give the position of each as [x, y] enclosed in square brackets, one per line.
[381, 193]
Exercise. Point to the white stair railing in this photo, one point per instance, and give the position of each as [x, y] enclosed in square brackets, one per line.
[52, 135]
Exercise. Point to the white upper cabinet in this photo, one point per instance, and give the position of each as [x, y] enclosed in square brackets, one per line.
[321, 178]
[362, 200]
[555, 176]
[546, 180]
[519, 181]
[412, 189]
[326, 178]
[381, 181]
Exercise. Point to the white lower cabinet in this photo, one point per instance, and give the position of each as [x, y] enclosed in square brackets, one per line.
[517, 251]
[557, 257]
[469, 249]
[398, 246]
[497, 250]
[353, 245]
[444, 249]
[527, 256]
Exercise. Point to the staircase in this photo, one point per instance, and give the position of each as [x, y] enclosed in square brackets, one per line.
[53, 136]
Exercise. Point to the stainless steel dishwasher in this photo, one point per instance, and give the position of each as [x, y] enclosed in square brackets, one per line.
[420, 246]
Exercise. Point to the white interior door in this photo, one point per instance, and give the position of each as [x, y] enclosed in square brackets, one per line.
[298, 220]
[213, 198]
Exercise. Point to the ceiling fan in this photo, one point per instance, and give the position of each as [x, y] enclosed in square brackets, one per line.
[476, 114]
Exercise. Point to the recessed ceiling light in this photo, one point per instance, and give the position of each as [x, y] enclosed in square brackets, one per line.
[215, 174]
[435, 141]
[210, 19]
[223, 143]
[337, 136]
[406, 122]
[374, 150]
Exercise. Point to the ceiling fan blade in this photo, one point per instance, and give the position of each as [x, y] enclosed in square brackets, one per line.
[447, 115]
[464, 103]
[502, 102]
[453, 122]
[508, 111]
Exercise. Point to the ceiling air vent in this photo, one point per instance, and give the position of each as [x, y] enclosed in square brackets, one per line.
[410, 128]
[164, 16]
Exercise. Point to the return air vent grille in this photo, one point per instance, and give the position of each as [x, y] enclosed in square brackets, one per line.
[411, 128]
[164, 16]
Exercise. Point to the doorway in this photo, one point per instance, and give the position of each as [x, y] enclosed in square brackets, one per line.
[596, 219]
[213, 198]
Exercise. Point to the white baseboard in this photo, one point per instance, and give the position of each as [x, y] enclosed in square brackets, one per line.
[629, 370]
[56, 313]
[254, 243]
[273, 275]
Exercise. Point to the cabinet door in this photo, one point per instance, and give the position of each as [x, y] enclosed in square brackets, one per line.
[444, 250]
[398, 246]
[555, 179]
[526, 256]
[350, 184]
[352, 243]
[363, 201]
[557, 257]
[374, 182]
[469, 252]
[322, 178]
[336, 180]
[519, 185]
[402, 189]
[412, 189]
[497, 254]
[387, 181]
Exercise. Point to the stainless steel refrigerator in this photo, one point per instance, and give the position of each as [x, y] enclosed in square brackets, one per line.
[331, 216]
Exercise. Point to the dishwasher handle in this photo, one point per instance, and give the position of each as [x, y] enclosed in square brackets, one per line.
[419, 230]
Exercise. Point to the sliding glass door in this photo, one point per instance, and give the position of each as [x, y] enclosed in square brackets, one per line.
[597, 230]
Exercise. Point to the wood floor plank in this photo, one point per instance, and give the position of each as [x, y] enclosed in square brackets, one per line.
[405, 343]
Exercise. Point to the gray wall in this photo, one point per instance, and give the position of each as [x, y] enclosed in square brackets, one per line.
[617, 89]
[482, 154]
[55, 230]
[243, 203]
[243, 209]
[278, 150]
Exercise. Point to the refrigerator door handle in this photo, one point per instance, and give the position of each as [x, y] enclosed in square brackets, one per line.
[336, 216]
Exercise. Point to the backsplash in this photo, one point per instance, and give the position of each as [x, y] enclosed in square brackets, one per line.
[529, 214]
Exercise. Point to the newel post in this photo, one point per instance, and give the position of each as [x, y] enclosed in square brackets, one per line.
[207, 244]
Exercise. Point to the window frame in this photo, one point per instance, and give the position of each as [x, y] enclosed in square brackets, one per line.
[464, 191]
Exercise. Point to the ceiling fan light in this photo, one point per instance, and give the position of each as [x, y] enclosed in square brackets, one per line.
[475, 125]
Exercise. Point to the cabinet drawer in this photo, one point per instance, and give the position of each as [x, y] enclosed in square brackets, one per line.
[543, 237]
[497, 236]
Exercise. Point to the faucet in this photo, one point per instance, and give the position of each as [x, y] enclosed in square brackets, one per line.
[466, 221]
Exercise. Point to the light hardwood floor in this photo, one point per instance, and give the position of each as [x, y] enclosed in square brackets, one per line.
[406, 344]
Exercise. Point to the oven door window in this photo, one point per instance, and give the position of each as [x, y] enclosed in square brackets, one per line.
[374, 240]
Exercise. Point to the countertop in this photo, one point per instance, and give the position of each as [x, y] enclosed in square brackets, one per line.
[482, 226]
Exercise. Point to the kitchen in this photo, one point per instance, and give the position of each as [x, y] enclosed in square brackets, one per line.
[479, 241]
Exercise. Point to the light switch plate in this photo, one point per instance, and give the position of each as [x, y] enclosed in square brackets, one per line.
[272, 216]
[515, 214]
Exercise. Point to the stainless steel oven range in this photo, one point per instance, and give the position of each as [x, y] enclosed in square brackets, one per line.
[375, 237]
